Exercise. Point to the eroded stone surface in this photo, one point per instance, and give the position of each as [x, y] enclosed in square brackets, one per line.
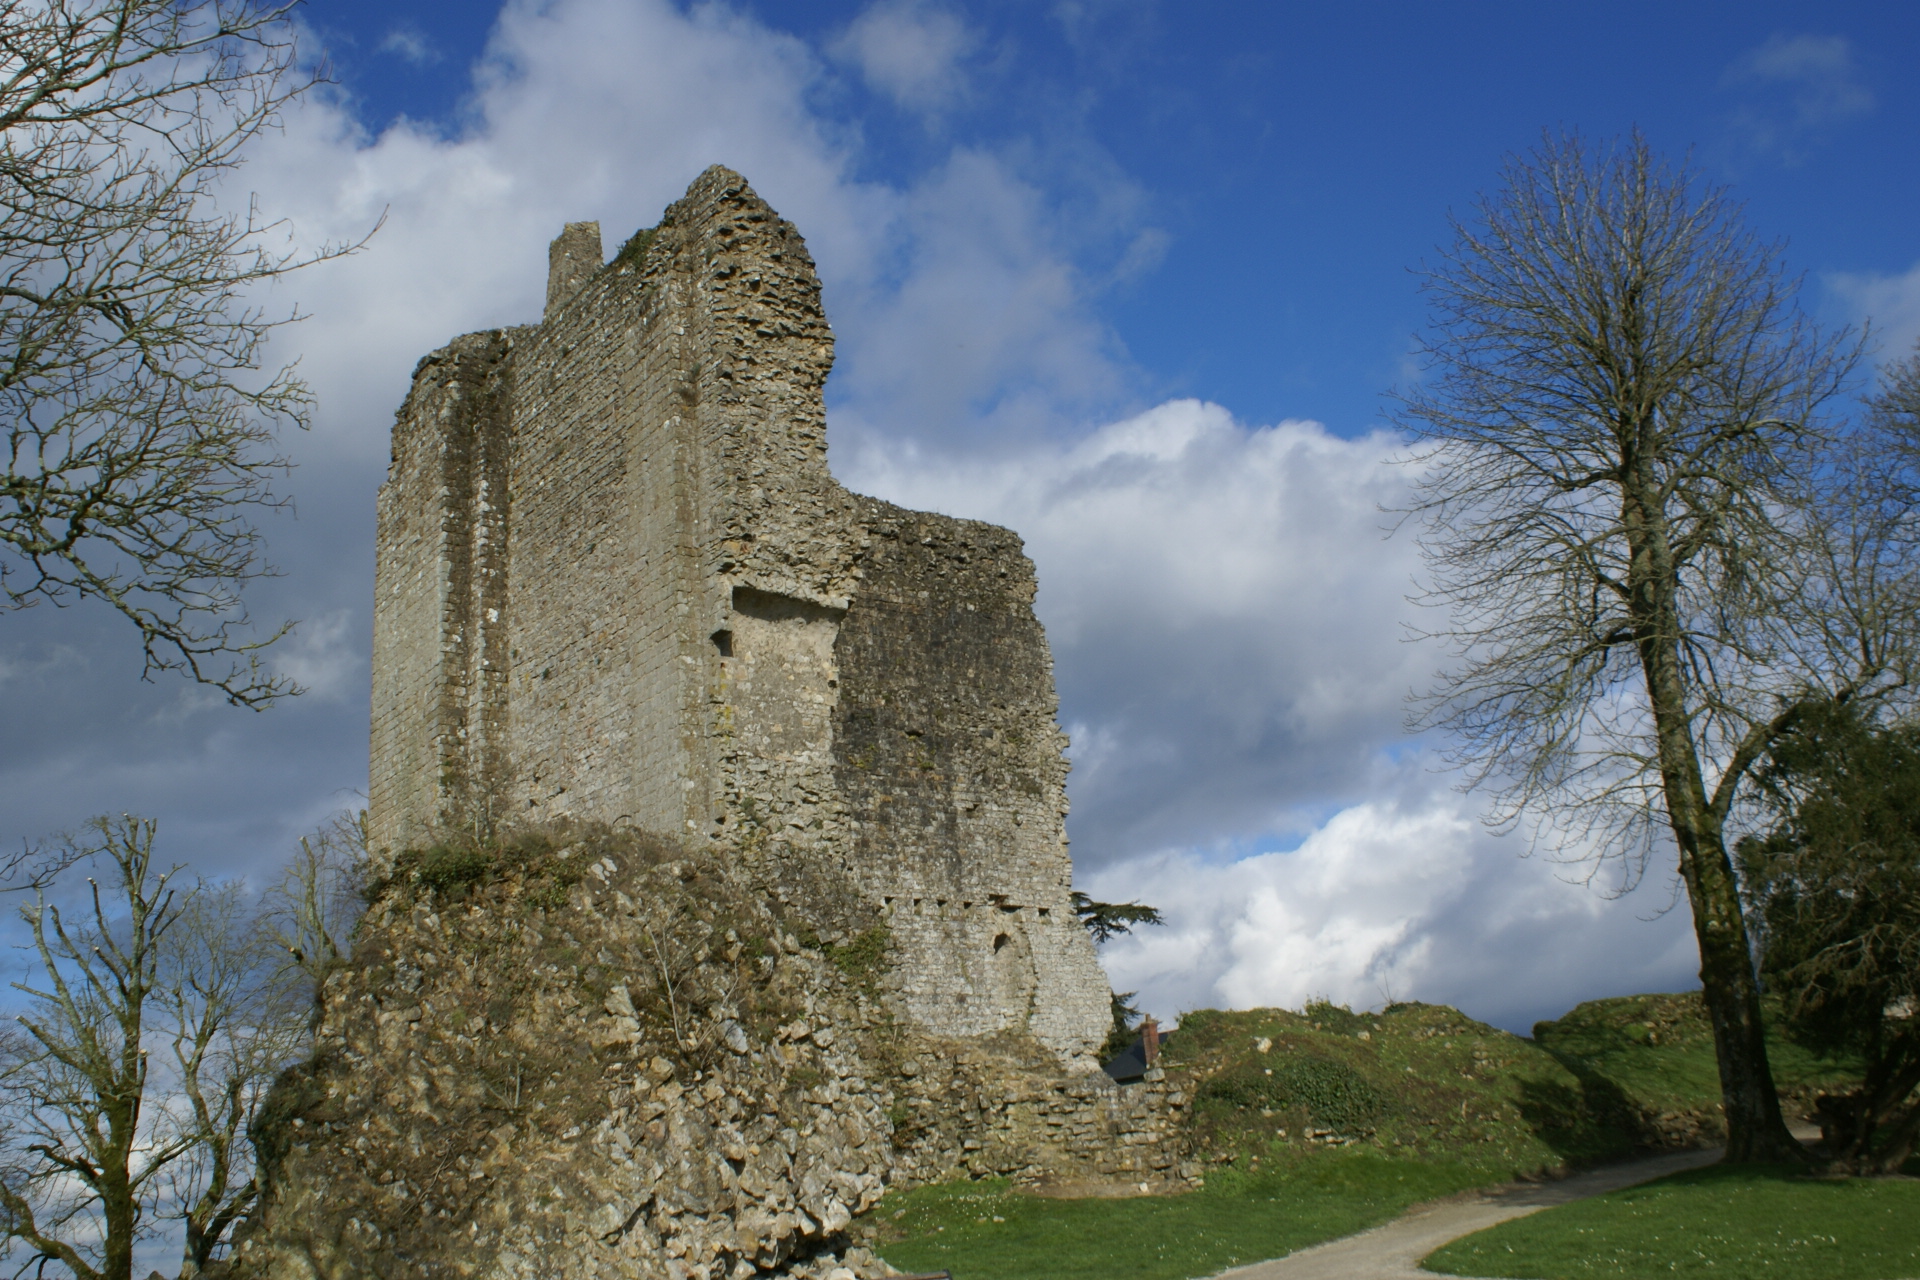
[600, 1061]
[618, 583]
[611, 1058]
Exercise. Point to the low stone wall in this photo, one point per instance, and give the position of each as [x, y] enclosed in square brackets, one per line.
[990, 1110]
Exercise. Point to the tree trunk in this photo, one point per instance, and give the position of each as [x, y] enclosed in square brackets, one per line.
[1755, 1128]
[116, 1205]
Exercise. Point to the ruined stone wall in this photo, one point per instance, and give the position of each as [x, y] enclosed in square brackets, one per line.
[604, 570]
[618, 583]
[501, 1087]
[439, 704]
[945, 743]
[612, 1058]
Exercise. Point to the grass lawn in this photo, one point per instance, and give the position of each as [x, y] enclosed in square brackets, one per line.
[1321, 1123]
[987, 1231]
[1724, 1222]
[1655, 1052]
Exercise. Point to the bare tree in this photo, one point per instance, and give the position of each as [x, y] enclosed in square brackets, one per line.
[320, 898]
[1654, 550]
[157, 1016]
[1896, 408]
[139, 424]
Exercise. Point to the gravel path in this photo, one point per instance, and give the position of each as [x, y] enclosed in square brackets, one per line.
[1393, 1251]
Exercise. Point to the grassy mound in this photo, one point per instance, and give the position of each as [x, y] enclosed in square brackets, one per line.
[1320, 1123]
[1420, 1081]
[1653, 1054]
[1736, 1221]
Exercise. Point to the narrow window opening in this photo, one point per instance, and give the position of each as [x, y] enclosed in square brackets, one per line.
[723, 641]
[1000, 941]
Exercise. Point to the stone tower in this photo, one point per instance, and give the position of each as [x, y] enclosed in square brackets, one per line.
[617, 582]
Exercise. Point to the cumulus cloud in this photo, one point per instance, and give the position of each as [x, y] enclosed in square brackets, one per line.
[1226, 611]
[1889, 302]
[909, 50]
[1797, 87]
[1401, 898]
[976, 331]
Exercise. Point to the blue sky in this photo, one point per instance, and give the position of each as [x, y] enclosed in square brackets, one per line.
[1291, 163]
[1132, 278]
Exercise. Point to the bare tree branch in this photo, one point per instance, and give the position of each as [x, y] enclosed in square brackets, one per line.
[158, 1015]
[139, 426]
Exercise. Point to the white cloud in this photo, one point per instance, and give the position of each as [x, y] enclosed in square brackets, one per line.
[977, 328]
[1392, 899]
[909, 50]
[410, 44]
[1225, 608]
[1798, 86]
[1891, 303]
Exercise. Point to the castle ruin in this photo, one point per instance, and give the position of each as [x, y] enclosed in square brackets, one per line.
[617, 583]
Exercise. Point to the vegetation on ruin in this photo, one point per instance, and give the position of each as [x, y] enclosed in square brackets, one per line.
[699, 936]
[1729, 1220]
[1323, 1122]
[634, 252]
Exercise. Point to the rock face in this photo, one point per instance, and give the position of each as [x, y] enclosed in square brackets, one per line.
[591, 1059]
[598, 1054]
[617, 583]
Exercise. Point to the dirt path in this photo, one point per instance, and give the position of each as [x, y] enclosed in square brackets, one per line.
[1393, 1251]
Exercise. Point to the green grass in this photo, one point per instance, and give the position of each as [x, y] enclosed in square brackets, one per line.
[1343, 1121]
[1653, 1056]
[1739, 1222]
[1421, 1081]
[989, 1231]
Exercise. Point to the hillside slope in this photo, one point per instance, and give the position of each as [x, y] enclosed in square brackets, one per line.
[1609, 1078]
[1317, 1124]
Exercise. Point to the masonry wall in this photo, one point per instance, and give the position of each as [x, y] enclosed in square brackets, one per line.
[946, 744]
[618, 582]
[604, 565]
[439, 697]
